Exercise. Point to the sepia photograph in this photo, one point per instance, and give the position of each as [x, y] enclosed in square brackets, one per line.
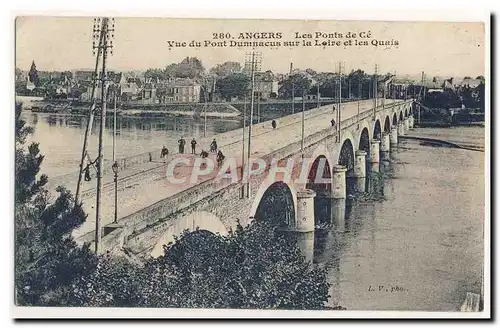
[334, 166]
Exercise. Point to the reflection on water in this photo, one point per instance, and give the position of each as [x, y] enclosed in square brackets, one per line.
[61, 136]
[414, 240]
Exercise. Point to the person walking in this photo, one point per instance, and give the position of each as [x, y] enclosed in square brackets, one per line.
[213, 146]
[204, 155]
[164, 152]
[193, 146]
[87, 169]
[273, 123]
[182, 142]
[220, 158]
[333, 122]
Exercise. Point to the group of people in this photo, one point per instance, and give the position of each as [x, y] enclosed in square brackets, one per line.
[204, 154]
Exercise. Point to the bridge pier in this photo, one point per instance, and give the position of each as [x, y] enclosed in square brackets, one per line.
[375, 151]
[385, 145]
[360, 170]
[394, 136]
[304, 223]
[401, 129]
[412, 122]
[338, 196]
[406, 123]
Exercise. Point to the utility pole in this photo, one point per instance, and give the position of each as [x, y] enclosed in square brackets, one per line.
[303, 120]
[258, 100]
[359, 96]
[115, 163]
[375, 93]
[423, 87]
[96, 35]
[317, 95]
[255, 61]
[243, 143]
[339, 115]
[293, 89]
[349, 87]
[205, 107]
[105, 30]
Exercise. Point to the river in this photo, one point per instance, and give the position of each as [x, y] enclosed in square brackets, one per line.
[61, 136]
[419, 249]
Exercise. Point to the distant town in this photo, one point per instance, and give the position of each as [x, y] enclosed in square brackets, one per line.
[188, 82]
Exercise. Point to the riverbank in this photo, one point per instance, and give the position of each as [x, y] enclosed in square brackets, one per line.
[211, 110]
[468, 137]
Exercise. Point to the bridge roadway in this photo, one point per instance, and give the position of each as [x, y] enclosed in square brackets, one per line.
[145, 184]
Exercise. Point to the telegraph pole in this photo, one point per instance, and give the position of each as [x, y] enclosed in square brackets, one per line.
[375, 93]
[105, 30]
[293, 89]
[243, 143]
[339, 115]
[359, 96]
[205, 108]
[96, 35]
[303, 120]
[317, 95]
[349, 87]
[258, 101]
[255, 61]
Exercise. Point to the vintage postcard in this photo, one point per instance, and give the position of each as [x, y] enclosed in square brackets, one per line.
[167, 166]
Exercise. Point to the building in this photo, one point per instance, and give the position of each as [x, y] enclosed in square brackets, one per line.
[266, 89]
[185, 91]
[83, 76]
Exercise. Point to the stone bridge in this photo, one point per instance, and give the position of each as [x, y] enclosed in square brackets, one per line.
[322, 167]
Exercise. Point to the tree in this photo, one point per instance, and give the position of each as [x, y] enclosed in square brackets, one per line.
[154, 73]
[299, 82]
[171, 71]
[233, 85]
[190, 67]
[47, 259]
[480, 98]
[226, 69]
[33, 74]
[256, 267]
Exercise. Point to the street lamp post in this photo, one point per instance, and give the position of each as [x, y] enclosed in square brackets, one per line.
[115, 171]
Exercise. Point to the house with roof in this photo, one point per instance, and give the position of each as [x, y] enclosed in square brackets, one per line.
[174, 90]
[266, 85]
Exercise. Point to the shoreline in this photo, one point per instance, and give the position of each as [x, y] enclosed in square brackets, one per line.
[468, 137]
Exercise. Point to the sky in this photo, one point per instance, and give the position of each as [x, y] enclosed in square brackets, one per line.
[438, 48]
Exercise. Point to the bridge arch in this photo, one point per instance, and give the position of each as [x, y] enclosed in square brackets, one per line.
[364, 141]
[387, 124]
[277, 204]
[196, 221]
[394, 119]
[401, 116]
[406, 112]
[319, 179]
[346, 158]
[377, 131]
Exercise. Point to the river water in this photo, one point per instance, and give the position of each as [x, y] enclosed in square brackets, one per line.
[419, 249]
[61, 136]
[422, 247]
